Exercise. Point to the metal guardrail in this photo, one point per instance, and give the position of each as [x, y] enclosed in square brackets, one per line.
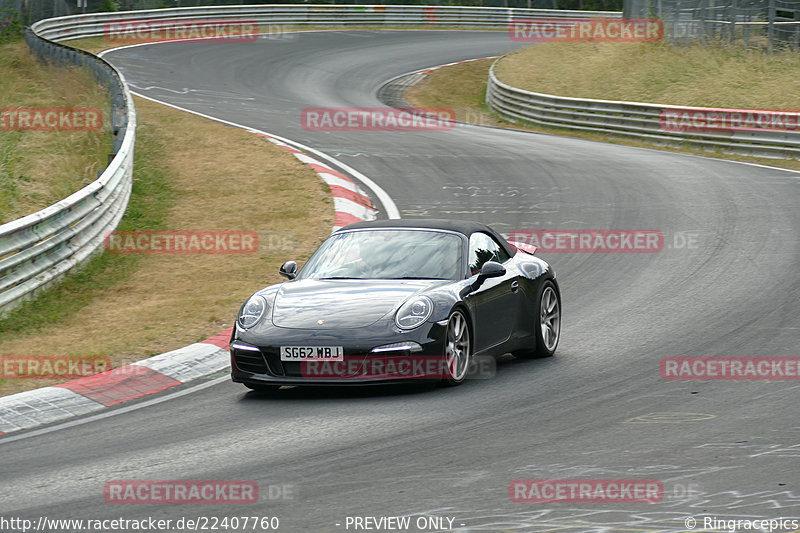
[327, 15]
[641, 121]
[37, 249]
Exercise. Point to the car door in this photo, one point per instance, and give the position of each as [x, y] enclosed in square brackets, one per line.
[495, 305]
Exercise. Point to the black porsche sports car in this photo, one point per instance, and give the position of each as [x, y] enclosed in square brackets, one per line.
[390, 300]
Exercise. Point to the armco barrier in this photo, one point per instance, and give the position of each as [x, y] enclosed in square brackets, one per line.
[319, 15]
[39, 248]
[631, 119]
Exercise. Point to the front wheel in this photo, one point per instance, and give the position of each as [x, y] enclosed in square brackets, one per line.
[458, 351]
[548, 322]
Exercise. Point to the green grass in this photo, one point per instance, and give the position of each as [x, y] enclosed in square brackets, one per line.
[9, 179]
[150, 200]
[694, 75]
[39, 168]
[463, 88]
[26, 187]
[11, 27]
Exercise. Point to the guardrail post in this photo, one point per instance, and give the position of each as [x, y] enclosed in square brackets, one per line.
[771, 13]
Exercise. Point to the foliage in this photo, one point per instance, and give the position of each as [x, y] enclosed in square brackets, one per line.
[11, 28]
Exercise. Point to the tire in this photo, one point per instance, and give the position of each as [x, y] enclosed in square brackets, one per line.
[457, 348]
[547, 329]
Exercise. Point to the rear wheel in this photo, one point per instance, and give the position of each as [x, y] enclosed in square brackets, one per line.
[458, 351]
[547, 328]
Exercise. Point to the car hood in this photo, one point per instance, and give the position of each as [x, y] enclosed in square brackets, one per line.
[341, 303]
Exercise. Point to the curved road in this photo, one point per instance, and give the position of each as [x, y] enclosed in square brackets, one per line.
[598, 409]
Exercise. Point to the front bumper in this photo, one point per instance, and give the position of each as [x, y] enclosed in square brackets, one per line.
[256, 361]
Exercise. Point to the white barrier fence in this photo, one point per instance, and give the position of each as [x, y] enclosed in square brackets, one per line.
[39, 248]
[320, 15]
[754, 133]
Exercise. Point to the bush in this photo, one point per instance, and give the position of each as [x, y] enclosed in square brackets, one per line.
[11, 28]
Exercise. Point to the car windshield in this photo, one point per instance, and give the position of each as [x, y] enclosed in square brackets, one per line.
[387, 254]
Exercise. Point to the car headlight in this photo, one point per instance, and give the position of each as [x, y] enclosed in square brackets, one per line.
[414, 312]
[253, 310]
[405, 346]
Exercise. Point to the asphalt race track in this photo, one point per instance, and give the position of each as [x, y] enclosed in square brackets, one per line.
[598, 410]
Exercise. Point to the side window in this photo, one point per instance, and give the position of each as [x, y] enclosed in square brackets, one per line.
[483, 248]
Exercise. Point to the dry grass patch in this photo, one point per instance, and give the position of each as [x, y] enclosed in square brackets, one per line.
[220, 178]
[463, 88]
[704, 76]
[93, 45]
[39, 168]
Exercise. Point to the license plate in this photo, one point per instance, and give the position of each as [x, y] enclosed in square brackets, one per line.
[312, 353]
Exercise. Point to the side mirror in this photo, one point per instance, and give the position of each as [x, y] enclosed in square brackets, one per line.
[490, 269]
[289, 270]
